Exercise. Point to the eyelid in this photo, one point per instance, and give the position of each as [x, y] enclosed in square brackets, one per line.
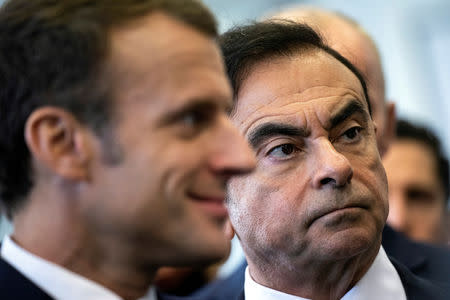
[282, 157]
[351, 124]
[357, 127]
[203, 106]
[269, 146]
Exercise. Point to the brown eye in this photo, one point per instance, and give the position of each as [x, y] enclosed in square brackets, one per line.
[353, 133]
[282, 151]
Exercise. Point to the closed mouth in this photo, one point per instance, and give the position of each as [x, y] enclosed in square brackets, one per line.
[337, 209]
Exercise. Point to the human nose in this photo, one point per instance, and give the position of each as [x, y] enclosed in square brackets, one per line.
[332, 167]
[233, 153]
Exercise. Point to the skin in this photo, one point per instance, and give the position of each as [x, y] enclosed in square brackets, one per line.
[354, 44]
[323, 183]
[161, 201]
[416, 197]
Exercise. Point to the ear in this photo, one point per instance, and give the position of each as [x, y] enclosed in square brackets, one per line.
[58, 141]
[391, 125]
[228, 229]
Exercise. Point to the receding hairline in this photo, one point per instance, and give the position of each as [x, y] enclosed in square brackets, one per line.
[322, 21]
[296, 51]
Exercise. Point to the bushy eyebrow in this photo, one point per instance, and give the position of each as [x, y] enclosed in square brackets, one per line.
[267, 130]
[352, 107]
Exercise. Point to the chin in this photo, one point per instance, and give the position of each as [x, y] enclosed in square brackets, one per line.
[348, 243]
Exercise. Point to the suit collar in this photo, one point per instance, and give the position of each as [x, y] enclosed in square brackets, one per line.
[395, 245]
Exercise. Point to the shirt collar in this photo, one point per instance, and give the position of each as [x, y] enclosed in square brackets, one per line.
[58, 282]
[381, 281]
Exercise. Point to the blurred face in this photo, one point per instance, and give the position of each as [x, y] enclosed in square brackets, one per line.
[416, 198]
[164, 197]
[319, 189]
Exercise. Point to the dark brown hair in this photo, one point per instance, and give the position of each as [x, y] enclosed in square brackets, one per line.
[53, 52]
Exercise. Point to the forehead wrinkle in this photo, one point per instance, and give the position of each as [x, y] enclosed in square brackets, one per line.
[265, 110]
[257, 121]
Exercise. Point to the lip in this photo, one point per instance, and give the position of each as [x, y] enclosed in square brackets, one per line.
[337, 210]
[213, 205]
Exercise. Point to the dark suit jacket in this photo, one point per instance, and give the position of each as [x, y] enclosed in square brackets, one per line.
[410, 259]
[426, 261]
[15, 286]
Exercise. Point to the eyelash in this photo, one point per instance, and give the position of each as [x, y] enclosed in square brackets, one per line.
[293, 150]
[358, 130]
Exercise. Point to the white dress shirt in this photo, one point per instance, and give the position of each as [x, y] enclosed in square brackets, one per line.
[380, 282]
[56, 281]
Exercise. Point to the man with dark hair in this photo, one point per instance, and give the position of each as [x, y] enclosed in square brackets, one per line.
[115, 146]
[310, 218]
[418, 175]
[349, 39]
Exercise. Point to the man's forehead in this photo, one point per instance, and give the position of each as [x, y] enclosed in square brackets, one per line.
[286, 85]
[300, 114]
[160, 52]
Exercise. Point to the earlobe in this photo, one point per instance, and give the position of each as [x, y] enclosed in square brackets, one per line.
[57, 142]
[228, 229]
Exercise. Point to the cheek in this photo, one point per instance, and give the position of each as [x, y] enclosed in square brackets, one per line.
[248, 200]
[261, 210]
[371, 172]
[180, 164]
[431, 214]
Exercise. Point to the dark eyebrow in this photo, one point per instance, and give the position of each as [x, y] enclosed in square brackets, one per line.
[352, 107]
[264, 131]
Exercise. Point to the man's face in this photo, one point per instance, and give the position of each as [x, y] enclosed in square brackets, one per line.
[164, 197]
[319, 188]
[416, 198]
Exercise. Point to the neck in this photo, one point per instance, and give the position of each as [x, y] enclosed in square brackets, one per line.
[53, 231]
[313, 278]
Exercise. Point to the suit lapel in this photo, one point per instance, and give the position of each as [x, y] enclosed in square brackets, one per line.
[416, 287]
[403, 250]
[14, 285]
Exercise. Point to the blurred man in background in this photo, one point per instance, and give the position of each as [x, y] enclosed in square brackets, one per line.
[115, 145]
[418, 176]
